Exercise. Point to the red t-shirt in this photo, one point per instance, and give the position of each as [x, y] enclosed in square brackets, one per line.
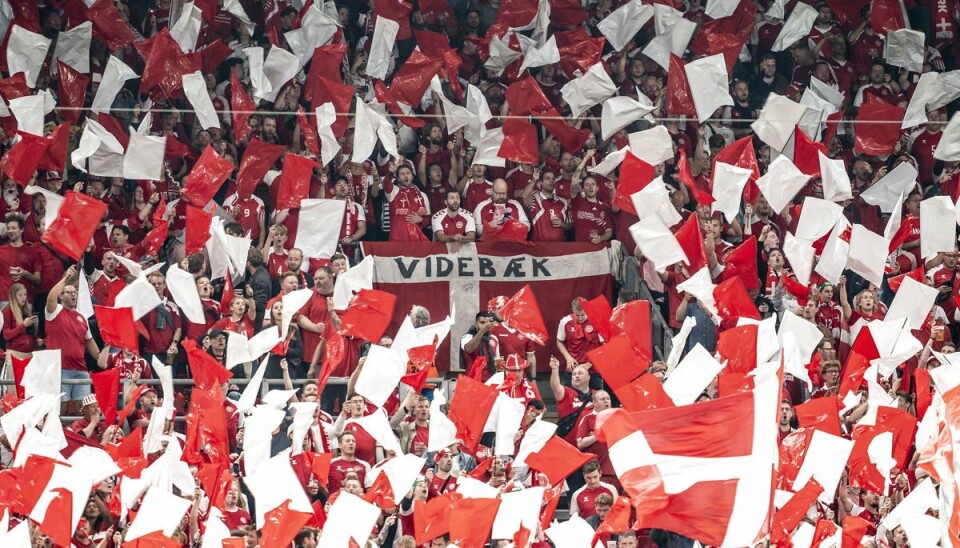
[475, 192]
[237, 518]
[586, 428]
[579, 338]
[542, 213]
[418, 444]
[590, 219]
[366, 445]
[10, 256]
[459, 224]
[340, 467]
[439, 486]
[511, 341]
[582, 501]
[67, 330]
[923, 148]
[570, 404]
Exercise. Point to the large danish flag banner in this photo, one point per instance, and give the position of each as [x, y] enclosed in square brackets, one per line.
[444, 279]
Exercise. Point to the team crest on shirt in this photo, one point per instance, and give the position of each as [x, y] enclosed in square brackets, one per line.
[459, 224]
[588, 328]
[521, 336]
[80, 319]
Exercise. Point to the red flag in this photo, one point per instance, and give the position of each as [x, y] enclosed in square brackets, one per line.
[469, 408]
[175, 149]
[294, 180]
[333, 354]
[75, 224]
[805, 153]
[738, 346]
[380, 492]
[282, 524]
[154, 239]
[644, 393]
[863, 472]
[522, 313]
[825, 530]
[617, 520]
[633, 319]
[526, 97]
[520, 143]
[20, 163]
[521, 539]
[206, 371]
[55, 157]
[385, 97]
[886, 15]
[570, 138]
[164, 65]
[155, 539]
[598, 311]
[551, 500]
[820, 414]
[578, 51]
[852, 375]
[115, 127]
[215, 478]
[847, 13]
[790, 514]
[204, 180]
[368, 316]
[679, 96]
[617, 362]
[309, 133]
[73, 87]
[476, 370]
[413, 77]
[686, 177]
[431, 519]
[19, 366]
[883, 121]
[742, 154]
[691, 241]
[924, 396]
[341, 95]
[241, 108]
[117, 327]
[421, 362]
[197, 229]
[106, 386]
[227, 295]
[741, 262]
[635, 174]
[127, 409]
[558, 459]
[214, 52]
[733, 301]
[207, 438]
[56, 522]
[919, 274]
[727, 44]
[326, 63]
[109, 25]
[471, 521]
[854, 529]
[258, 158]
[731, 383]
[320, 466]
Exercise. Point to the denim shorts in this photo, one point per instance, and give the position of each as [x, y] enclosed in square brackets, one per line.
[74, 392]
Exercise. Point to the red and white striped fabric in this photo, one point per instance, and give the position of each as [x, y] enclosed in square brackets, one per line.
[704, 470]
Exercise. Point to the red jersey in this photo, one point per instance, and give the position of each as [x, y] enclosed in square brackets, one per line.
[406, 201]
[441, 157]
[572, 402]
[10, 257]
[421, 437]
[276, 263]
[437, 197]
[866, 48]
[237, 518]
[924, 145]
[128, 367]
[243, 326]
[105, 289]
[248, 213]
[439, 486]
[452, 225]
[353, 215]
[543, 211]
[582, 500]
[517, 181]
[587, 427]
[340, 467]
[511, 341]
[475, 192]
[579, 338]
[67, 331]
[590, 219]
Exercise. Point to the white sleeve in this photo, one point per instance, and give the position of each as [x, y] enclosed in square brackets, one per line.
[426, 202]
[471, 224]
[465, 339]
[435, 223]
[361, 214]
[478, 221]
[574, 506]
[522, 215]
[561, 331]
[49, 316]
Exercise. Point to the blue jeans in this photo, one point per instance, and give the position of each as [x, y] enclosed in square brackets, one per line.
[74, 392]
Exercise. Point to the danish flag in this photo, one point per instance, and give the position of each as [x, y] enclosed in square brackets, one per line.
[704, 470]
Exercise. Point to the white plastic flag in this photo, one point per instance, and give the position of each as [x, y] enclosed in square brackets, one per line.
[709, 85]
[347, 284]
[274, 483]
[292, 303]
[501, 54]
[518, 509]
[948, 149]
[73, 47]
[623, 24]
[836, 182]
[279, 67]
[381, 47]
[905, 48]
[30, 111]
[26, 51]
[781, 183]
[187, 28]
[717, 9]
[673, 41]
[798, 26]
[316, 29]
[777, 121]
[800, 255]
[619, 112]
[349, 518]
[538, 55]
[654, 146]
[183, 289]
[885, 192]
[114, 76]
[143, 158]
[329, 144]
[159, 511]
[824, 460]
[655, 199]
[657, 243]
[728, 184]
[938, 219]
[912, 303]
[588, 90]
[140, 296]
[380, 374]
[243, 350]
[934, 90]
[868, 254]
[319, 230]
[697, 369]
[195, 88]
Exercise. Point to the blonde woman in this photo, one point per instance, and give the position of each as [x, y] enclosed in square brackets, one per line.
[19, 328]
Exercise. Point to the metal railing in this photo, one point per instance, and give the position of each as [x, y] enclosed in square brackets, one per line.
[267, 386]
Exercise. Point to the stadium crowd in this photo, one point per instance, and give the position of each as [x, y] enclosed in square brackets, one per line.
[798, 209]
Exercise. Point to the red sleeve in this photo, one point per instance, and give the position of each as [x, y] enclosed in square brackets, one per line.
[585, 427]
[11, 332]
[386, 183]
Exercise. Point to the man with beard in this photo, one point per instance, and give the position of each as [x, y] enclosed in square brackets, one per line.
[549, 213]
[436, 151]
[409, 206]
[491, 214]
[354, 225]
[453, 224]
[18, 262]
